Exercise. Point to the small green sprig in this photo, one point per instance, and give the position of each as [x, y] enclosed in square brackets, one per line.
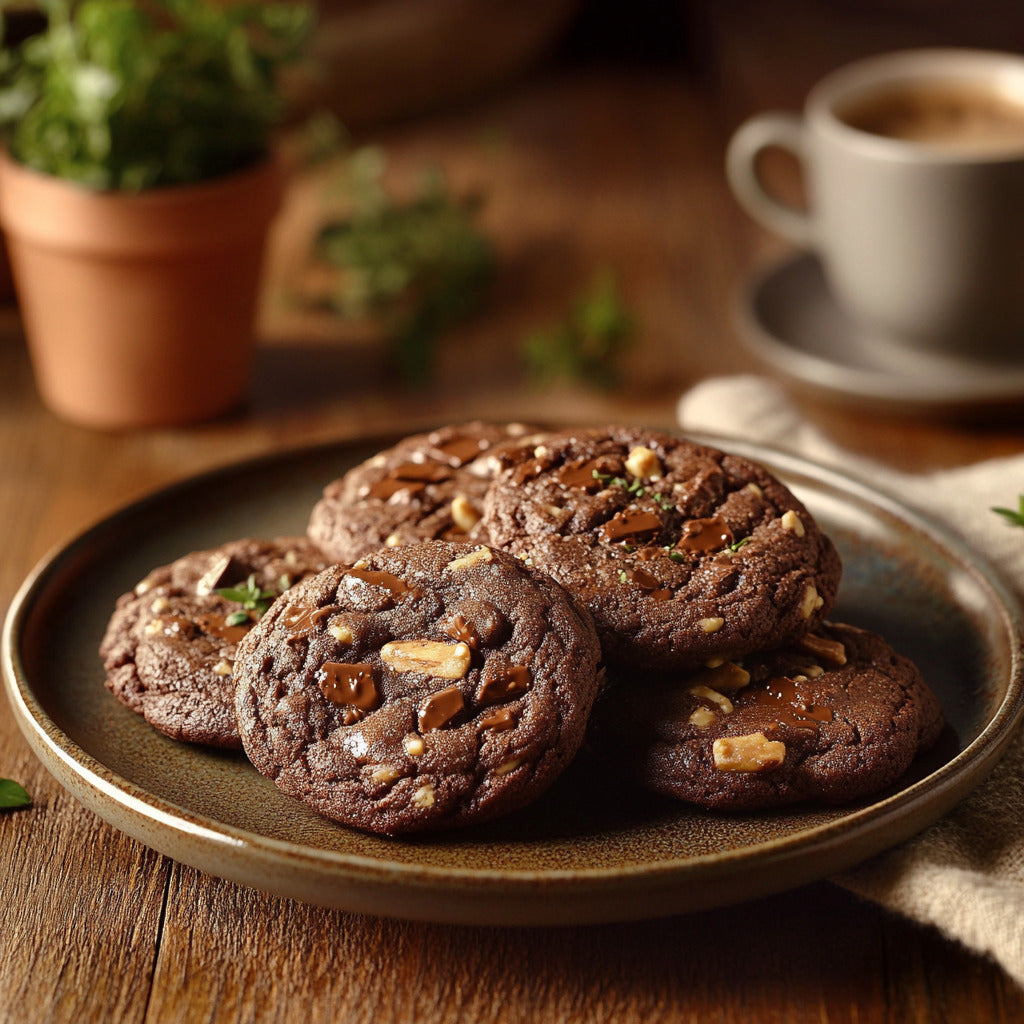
[618, 481]
[13, 796]
[1013, 516]
[252, 598]
[677, 556]
[586, 344]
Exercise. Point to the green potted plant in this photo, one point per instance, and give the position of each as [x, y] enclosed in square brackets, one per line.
[137, 186]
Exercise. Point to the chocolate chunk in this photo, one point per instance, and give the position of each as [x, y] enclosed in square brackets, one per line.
[629, 524]
[440, 708]
[502, 683]
[703, 535]
[352, 685]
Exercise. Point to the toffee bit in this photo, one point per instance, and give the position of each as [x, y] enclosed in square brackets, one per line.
[1015, 517]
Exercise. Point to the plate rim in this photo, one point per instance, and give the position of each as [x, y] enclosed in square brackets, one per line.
[93, 782]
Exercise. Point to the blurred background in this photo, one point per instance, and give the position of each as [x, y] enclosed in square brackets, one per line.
[588, 135]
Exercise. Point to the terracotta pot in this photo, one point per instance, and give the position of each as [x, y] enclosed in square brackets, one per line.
[139, 309]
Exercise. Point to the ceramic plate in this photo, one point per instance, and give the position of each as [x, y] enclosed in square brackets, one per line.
[789, 320]
[591, 849]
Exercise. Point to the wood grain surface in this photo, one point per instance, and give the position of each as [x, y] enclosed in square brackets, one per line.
[600, 165]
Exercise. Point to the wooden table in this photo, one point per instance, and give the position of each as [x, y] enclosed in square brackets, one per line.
[597, 166]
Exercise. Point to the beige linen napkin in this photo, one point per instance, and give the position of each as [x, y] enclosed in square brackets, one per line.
[965, 874]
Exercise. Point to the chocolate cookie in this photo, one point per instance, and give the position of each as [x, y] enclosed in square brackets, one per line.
[430, 686]
[832, 718]
[427, 487]
[169, 648]
[681, 552]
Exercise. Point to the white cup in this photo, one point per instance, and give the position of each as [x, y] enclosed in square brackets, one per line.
[914, 171]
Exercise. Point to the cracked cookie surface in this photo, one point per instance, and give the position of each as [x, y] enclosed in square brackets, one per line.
[425, 687]
[170, 646]
[681, 552]
[426, 487]
[837, 716]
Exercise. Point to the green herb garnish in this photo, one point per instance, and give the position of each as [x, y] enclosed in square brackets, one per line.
[12, 796]
[416, 267]
[634, 487]
[117, 94]
[617, 481]
[622, 576]
[736, 545]
[587, 343]
[1014, 516]
[251, 597]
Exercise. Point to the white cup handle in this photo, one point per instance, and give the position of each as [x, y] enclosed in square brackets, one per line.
[753, 137]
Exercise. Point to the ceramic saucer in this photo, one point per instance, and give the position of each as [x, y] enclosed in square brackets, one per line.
[789, 320]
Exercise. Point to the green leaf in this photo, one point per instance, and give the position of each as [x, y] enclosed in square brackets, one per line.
[1014, 516]
[245, 594]
[587, 344]
[12, 795]
[251, 597]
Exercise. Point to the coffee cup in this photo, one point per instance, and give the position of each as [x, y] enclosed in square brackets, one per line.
[913, 165]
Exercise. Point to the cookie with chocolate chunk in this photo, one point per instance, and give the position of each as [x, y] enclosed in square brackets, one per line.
[427, 487]
[681, 552]
[429, 686]
[834, 717]
[169, 648]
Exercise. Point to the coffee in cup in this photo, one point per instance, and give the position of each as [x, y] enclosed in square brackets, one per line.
[962, 118]
[914, 165]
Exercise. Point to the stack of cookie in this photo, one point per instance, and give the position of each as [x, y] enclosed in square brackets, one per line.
[432, 654]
